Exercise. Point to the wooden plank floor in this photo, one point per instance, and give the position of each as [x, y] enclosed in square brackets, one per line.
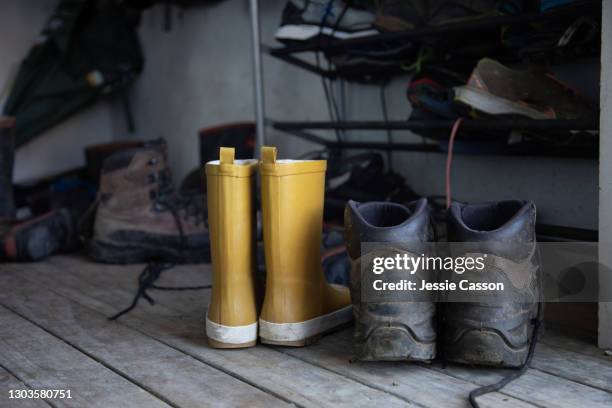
[54, 334]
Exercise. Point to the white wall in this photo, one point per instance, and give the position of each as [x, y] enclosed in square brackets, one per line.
[60, 148]
[199, 75]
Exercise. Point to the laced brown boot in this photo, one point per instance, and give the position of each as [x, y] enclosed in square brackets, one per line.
[140, 218]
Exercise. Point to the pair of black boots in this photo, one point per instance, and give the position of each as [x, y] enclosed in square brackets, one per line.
[494, 329]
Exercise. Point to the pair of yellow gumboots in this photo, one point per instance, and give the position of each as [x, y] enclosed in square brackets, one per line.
[299, 305]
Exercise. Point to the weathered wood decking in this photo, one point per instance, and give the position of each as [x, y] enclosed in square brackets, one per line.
[54, 334]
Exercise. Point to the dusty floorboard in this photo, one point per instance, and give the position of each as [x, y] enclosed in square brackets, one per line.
[55, 334]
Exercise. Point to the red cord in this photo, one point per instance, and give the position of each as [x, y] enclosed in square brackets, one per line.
[333, 251]
[449, 160]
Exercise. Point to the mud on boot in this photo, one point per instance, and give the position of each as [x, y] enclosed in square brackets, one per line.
[495, 329]
[390, 325]
[140, 218]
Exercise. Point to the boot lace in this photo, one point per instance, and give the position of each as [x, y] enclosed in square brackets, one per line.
[182, 209]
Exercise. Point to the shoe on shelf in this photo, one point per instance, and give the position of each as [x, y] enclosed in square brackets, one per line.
[305, 20]
[495, 89]
[456, 11]
[432, 98]
[402, 15]
[495, 328]
[428, 95]
[556, 40]
[299, 304]
[140, 218]
[555, 5]
[390, 325]
[39, 237]
[231, 320]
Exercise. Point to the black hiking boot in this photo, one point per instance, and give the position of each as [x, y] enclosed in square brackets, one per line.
[495, 329]
[37, 238]
[390, 325]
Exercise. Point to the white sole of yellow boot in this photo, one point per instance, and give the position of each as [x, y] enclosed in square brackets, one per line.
[220, 336]
[303, 333]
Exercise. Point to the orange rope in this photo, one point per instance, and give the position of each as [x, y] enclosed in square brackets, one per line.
[449, 160]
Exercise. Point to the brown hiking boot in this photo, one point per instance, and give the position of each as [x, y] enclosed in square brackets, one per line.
[139, 216]
[96, 154]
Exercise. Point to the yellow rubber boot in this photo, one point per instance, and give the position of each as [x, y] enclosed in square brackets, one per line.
[231, 321]
[299, 304]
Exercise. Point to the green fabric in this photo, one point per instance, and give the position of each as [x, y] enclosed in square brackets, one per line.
[82, 37]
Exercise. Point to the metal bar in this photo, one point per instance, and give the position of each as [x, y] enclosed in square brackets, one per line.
[410, 147]
[510, 150]
[257, 78]
[497, 124]
[363, 145]
[307, 66]
[557, 232]
[526, 150]
[309, 137]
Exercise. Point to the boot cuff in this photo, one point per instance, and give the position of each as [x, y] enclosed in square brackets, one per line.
[239, 168]
[378, 215]
[495, 220]
[281, 168]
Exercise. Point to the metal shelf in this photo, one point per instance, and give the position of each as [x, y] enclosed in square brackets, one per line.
[288, 53]
[489, 124]
[300, 129]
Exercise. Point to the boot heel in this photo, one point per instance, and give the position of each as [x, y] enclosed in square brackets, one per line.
[303, 333]
[396, 344]
[486, 347]
[221, 336]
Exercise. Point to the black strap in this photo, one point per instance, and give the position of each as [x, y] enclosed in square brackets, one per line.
[146, 281]
[513, 376]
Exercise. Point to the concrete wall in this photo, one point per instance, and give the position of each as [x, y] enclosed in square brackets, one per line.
[60, 148]
[199, 75]
[605, 180]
